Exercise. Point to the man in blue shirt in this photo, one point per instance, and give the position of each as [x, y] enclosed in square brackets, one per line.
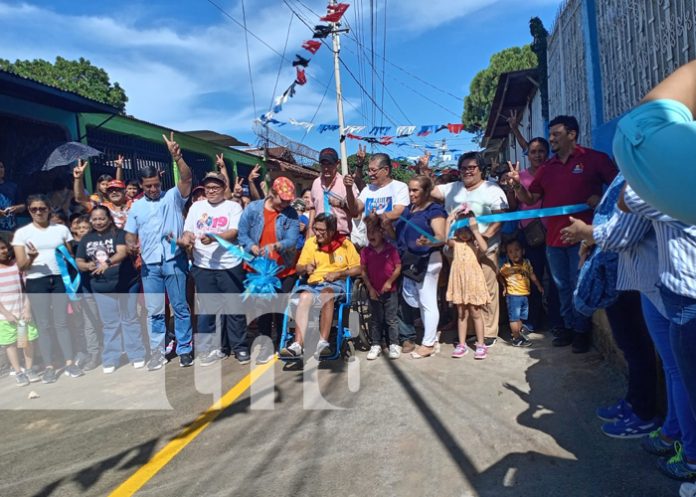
[9, 202]
[156, 221]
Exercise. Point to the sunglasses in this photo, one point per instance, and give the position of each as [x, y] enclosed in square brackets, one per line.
[34, 210]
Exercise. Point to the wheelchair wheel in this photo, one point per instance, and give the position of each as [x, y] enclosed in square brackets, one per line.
[362, 307]
[348, 351]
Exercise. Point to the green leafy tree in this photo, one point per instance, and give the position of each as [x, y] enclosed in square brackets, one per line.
[77, 76]
[477, 105]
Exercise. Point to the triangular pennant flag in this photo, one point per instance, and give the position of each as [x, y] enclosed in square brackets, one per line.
[335, 12]
[354, 129]
[291, 90]
[321, 31]
[405, 131]
[379, 130]
[426, 130]
[386, 140]
[455, 128]
[301, 78]
[300, 61]
[440, 128]
[311, 46]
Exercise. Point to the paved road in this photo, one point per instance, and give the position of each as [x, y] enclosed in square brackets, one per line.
[520, 423]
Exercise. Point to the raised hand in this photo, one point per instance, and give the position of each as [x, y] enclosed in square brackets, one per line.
[118, 163]
[423, 161]
[31, 250]
[79, 170]
[514, 174]
[473, 224]
[174, 149]
[219, 162]
[361, 154]
[237, 192]
[513, 120]
[255, 173]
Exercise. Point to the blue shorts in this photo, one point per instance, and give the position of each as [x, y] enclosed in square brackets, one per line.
[338, 287]
[655, 146]
[518, 307]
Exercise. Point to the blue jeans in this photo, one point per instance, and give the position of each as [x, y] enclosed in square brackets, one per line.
[681, 312]
[563, 262]
[540, 266]
[120, 311]
[169, 276]
[679, 423]
[518, 307]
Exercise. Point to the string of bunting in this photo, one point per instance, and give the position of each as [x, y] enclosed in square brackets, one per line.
[379, 133]
[334, 13]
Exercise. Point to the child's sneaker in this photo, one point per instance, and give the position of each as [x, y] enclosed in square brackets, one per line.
[631, 427]
[521, 341]
[374, 352]
[481, 351]
[459, 351]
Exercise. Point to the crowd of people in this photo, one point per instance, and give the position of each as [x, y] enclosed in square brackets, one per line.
[427, 258]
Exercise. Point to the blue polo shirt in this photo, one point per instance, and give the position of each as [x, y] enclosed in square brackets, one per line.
[156, 222]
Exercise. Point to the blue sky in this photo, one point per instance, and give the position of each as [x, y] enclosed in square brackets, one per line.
[183, 64]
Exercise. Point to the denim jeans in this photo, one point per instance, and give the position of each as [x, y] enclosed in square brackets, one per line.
[631, 335]
[679, 423]
[681, 312]
[383, 318]
[220, 281]
[120, 325]
[169, 276]
[540, 266]
[563, 262]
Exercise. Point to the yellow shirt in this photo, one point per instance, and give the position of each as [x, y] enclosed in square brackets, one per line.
[343, 258]
[517, 277]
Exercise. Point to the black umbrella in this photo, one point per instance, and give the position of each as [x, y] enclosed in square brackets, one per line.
[69, 153]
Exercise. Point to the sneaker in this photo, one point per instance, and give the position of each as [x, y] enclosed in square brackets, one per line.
[72, 371]
[91, 363]
[521, 341]
[460, 351]
[186, 360]
[481, 351]
[676, 466]
[49, 376]
[394, 351]
[208, 359]
[563, 338]
[265, 355]
[620, 410]
[243, 357]
[581, 342]
[292, 350]
[374, 353]
[654, 444]
[156, 362]
[139, 364]
[423, 351]
[687, 490]
[490, 342]
[12, 372]
[630, 427]
[407, 347]
[32, 375]
[21, 379]
[108, 369]
[323, 348]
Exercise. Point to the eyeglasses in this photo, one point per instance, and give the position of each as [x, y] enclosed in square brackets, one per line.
[319, 230]
[468, 169]
[34, 210]
[213, 188]
[374, 171]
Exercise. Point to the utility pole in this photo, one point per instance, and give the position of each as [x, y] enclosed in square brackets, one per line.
[339, 95]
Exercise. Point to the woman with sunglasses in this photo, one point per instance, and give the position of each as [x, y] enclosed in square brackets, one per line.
[109, 275]
[35, 248]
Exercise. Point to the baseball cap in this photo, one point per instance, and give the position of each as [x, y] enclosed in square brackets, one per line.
[116, 183]
[328, 154]
[213, 176]
[284, 188]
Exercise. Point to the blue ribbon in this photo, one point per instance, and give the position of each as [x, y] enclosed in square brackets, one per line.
[172, 241]
[264, 281]
[63, 258]
[420, 230]
[327, 204]
[519, 215]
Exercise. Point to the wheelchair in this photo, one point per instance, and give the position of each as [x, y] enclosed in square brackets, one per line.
[360, 304]
[341, 338]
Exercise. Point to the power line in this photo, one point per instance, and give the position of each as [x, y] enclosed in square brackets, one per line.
[246, 42]
[318, 107]
[280, 66]
[384, 51]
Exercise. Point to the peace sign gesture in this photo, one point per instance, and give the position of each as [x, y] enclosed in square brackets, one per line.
[79, 170]
[361, 154]
[255, 174]
[514, 174]
[238, 181]
[423, 161]
[118, 163]
[173, 146]
[219, 162]
[512, 120]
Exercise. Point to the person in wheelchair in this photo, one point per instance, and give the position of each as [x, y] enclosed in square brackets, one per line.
[327, 259]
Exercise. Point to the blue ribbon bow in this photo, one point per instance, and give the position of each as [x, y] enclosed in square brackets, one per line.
[63, 258]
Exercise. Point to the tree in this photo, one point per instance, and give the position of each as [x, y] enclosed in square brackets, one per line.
[77, 76]
[477, 105]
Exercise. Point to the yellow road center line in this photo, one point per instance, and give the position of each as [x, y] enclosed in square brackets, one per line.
[177, 444]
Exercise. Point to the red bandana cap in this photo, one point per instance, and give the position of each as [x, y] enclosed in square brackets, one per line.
[116, 183]
[284, 188]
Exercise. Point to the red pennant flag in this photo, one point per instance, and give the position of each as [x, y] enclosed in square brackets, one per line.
[311, 46]
[455, 128]
[386, 140]
[301, 78]
[335, 12]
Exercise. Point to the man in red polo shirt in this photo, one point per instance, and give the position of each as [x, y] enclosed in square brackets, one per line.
[574, 175]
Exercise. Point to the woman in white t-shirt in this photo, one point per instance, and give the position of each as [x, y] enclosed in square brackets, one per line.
[215, 269]
[35, 248]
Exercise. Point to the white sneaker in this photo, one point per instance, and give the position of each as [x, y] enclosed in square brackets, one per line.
[109, 369]
[139, 364]
[394, 351]
[374, 352]
[687, 490]
[292, 350]
[323, 348]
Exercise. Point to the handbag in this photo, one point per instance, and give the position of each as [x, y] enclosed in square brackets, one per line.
[534, 233]
[414, 266]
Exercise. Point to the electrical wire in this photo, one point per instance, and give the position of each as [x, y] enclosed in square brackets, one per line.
[384, 51]
[280, 66]
[246, 42]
